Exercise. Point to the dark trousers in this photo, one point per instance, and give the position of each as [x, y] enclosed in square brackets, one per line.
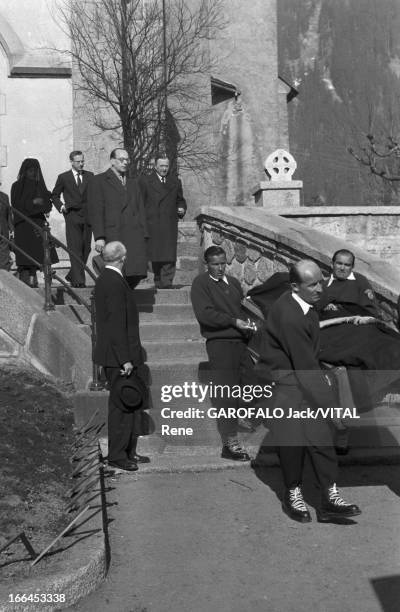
[122, 439]
[164, 272]
[78, 234]
[296, 437]
[225, 358]
[133, 281]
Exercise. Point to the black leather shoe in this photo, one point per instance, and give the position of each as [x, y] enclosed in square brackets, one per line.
[124, 464]
[334, 507]
[234, 452]
[139, 458]
[294, 505]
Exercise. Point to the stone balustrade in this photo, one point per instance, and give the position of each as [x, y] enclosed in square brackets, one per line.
[257, 244]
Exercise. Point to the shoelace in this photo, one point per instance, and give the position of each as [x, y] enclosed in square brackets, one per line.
[334, 496]
[235, 446]
[296, 499]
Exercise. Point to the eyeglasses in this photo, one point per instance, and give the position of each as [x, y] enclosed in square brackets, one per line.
[123, 159]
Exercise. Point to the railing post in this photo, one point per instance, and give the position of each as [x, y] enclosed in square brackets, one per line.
[95, 385]
[48, 302]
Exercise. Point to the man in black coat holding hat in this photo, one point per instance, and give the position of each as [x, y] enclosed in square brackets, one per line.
[119, 351]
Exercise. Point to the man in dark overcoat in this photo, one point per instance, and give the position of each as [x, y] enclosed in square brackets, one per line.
[116, 212]
[164, 204]
[119, 351]
[72, 185]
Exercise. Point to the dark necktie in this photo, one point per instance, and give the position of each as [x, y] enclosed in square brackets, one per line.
[163, 180]
[79, 180]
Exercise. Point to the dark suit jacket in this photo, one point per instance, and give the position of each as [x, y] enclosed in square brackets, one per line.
[75, 198]
[117, 322]
[161, 202]
[290, 349]
[117, 213]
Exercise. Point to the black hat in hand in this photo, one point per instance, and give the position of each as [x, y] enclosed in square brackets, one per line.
[130, 393]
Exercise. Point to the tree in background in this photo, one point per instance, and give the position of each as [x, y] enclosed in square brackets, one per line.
[142, 66]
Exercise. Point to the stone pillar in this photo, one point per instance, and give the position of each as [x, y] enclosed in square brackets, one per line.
[280, 191]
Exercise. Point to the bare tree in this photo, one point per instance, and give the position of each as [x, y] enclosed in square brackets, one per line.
[141, 67]
[382, 158]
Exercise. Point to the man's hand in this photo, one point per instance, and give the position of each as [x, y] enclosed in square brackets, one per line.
[331, 307]
[243, 325]
[181, 212]
[363, 320]
[99, 245]
[126, 369]
[63, 209]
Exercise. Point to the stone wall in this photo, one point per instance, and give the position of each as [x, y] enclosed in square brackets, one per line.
[258, 244]
[375, 229]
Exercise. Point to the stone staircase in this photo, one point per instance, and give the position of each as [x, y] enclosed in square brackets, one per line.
[175, 355]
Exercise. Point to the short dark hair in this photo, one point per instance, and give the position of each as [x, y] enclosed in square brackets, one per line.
[74, 154]
[213, 251]
[113, 153]
[160, 155]
[343, 252]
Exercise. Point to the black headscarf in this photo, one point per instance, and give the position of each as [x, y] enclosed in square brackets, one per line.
[41, 189]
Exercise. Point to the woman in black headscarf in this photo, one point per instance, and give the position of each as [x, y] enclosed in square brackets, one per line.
[30, 195]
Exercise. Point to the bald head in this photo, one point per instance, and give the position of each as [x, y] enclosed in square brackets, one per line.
[306, 280]
[114, 253]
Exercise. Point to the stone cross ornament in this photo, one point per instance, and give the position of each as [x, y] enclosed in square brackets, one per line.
[280, 165]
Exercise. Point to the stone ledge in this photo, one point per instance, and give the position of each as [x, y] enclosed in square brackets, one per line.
[76, 569]
[77, 575]
[282, 240]
[339, 211]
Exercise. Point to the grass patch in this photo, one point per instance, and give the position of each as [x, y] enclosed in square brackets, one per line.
[35, 471]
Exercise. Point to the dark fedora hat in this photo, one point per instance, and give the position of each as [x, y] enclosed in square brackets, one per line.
[130, 393]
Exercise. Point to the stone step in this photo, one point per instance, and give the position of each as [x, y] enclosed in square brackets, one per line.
[192, 369]
[156, 313]
[144, 296]
[175, 351]
[188, 231]
[185, 277]
[171, 330]
[166, 312]
[191, 249]
[188, 263]
[385, 435]
[163, 296]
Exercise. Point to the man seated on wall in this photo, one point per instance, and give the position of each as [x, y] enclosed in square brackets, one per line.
[352, 334]
[346, 292]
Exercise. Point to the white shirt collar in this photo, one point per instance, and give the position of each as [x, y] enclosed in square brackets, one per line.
[305, 306]
[217, 279]
[115, 269]
[332, 278]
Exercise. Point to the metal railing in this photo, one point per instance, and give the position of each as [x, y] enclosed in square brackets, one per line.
[49, 274]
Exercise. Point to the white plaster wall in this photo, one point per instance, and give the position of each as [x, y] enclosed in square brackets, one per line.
[37, 112]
